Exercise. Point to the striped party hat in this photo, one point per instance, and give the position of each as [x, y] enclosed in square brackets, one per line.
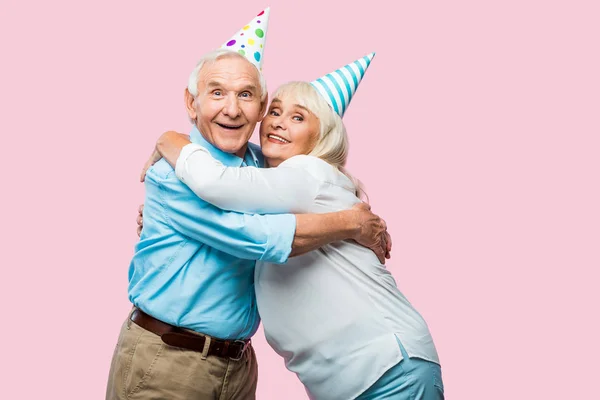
[250, 40]
[339, 86]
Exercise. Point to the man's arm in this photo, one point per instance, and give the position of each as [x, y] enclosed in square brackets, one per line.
[247, 236]
[359, 224]
[312, 230]
[316, 230]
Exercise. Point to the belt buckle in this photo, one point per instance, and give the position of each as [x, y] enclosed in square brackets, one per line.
[244, 347]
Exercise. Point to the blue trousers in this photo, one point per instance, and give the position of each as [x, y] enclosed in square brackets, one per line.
[410, 379]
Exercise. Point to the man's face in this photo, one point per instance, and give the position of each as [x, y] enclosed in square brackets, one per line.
[228, 104]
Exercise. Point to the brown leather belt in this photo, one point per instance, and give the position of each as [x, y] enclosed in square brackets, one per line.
[174, 336]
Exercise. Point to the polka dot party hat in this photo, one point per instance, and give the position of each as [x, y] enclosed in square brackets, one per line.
[250, 40]
[339, 86]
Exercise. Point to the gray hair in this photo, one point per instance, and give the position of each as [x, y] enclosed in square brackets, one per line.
[213, 56]
[332, 145]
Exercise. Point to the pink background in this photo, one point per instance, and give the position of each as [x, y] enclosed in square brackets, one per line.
[476, 131]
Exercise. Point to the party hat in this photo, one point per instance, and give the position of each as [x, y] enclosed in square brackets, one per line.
[250, 40]
[339, 86]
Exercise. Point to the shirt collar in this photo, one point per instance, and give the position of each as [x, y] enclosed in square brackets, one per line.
[252, 157]
[228, 159]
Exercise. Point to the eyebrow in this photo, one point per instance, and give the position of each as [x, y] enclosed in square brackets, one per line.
[302, 107]
[295, 105]
[249, 87]
[211, 84]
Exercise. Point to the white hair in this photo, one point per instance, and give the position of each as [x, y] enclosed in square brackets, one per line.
[332, 145]
[213, 56]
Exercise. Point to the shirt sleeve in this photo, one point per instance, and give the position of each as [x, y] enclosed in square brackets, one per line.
[289, 188]
[254, 237]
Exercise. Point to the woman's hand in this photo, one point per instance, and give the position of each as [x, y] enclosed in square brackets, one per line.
[168, 145]
[151, 161]
[140, 220]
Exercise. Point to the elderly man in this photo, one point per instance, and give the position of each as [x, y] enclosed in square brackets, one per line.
[191, 279]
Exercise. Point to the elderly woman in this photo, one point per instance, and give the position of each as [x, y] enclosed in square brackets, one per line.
[335, 314]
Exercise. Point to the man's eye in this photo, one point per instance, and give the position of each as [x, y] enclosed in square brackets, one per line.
[245, 94]
[217, 92]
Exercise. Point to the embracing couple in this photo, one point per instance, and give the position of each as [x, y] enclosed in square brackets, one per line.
[233, 233]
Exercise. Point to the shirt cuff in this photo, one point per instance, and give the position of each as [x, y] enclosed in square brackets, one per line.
[279, 245]
[183, 156]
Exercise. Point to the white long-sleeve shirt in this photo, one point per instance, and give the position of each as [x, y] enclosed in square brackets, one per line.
[334, 313]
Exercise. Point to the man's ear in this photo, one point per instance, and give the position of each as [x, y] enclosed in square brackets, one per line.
[190, 105]
[263, 108]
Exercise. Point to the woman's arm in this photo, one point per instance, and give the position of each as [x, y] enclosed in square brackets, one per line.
[169, 146]
[288, 188]
[248, 189]
[271, 191]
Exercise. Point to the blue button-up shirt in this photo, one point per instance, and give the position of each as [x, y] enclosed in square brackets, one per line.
[194, 264]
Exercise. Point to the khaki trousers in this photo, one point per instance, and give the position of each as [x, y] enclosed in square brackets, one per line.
[144, 367]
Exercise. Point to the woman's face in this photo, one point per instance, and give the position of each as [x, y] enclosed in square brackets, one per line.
[287, 130]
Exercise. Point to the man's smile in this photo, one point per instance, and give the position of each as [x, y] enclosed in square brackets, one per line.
[229, 126]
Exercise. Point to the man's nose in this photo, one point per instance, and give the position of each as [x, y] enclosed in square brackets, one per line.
[231, 108]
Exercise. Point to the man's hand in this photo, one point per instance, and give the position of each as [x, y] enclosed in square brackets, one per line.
[373, 231]
[140, 220]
